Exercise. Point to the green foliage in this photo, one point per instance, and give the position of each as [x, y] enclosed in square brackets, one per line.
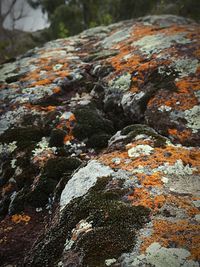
[72, 16]
[63, 31]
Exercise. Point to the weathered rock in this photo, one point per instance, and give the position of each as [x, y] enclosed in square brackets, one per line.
[132, 89]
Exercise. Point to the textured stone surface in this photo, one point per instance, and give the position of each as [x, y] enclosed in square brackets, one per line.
[99, 148]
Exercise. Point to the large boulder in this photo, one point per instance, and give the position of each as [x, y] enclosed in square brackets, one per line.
[99, 151]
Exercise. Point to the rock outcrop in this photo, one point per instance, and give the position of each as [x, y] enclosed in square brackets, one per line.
[100, 157]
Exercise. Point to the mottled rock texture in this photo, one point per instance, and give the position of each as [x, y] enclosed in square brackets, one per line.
[99, 148]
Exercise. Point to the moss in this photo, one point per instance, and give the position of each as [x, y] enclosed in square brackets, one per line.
[114, 224]
[23, 136]
[132, 131]
[90, 122]
[40, 195]
[114, 227]
[55, 168]
[57, 138]
[17, 205]
[98, 140]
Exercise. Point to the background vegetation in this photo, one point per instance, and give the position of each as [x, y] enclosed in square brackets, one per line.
[69, 17]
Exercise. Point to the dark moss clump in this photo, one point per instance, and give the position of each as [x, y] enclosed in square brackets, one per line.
[90, 124]
[18, 203]
[98, 140]
[40, 195]
[132, 131]
[52, 174]
[114, 225]
[23, 136]
[55, 168]
[57, 138]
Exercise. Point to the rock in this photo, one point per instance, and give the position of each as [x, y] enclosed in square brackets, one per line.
[57, 138]
[99, 148]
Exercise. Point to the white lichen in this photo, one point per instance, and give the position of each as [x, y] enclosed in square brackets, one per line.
[66, 115]
[154, 44]
[13, 163]
[139, 150]
[193, 118]
[122, 83]
[164, 108]
[57, 67]
[109, 262]
[185, 66]
[8, 148]
[116, 37]
[83, 180]
[158, 256]
[36, 92]
[42, 146]
[196, 203]
[11, 117]
[178, 169]
[82, 227]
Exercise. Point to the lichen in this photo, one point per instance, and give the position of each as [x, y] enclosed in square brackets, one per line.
[154, 44]
[82, 181]
[8, 148]
[139, 150]
[116, 37]
[122, 82]
[157, 256]
[185, 66]
[193, 118]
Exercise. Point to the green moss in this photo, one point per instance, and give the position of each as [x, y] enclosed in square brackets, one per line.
[23, 136]
[90, 122]
[55, 168]
[114, 224]
[57, 138]
[39, 196]
[114, 227]
[132, 131]
[99, 140]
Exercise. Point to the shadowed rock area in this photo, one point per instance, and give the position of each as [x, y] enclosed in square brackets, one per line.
[99, 148]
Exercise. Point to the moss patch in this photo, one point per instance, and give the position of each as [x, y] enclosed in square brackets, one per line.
[55, 168]
[133, 130]
[57, 138]
[90, 123]
[114, 226]
[23, 136]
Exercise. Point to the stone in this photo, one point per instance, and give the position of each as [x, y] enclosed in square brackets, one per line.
[99, 148]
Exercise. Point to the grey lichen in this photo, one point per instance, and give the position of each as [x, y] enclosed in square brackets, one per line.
[193, 118]
[185, 66]
[83, 180]
[154, 44]
[116, 37]
[158, 256]
[122, 82]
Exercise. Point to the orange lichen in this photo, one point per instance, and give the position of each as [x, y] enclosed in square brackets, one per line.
[143, 197]
[188, 84]
[57, 90]
[68, 125]
[181, 135]
[42, 82]
[177, 101]
[182, 233]
[156, 159]
[18, 218]
[150, 180]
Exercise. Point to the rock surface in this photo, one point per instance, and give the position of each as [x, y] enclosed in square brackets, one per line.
[100, 157]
